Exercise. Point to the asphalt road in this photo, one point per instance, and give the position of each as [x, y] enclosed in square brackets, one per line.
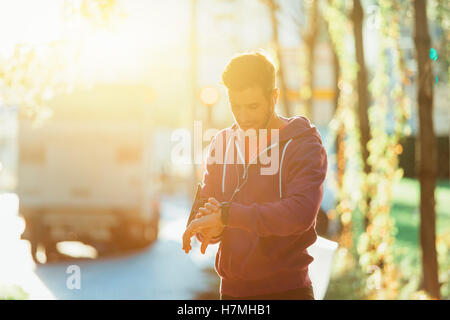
[160, 271]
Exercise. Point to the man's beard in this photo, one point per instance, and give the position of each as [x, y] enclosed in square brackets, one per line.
[268, 117]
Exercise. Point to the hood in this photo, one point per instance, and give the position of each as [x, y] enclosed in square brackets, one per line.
[298, 126]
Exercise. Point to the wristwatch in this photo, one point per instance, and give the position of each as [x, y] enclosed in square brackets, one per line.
[225, 206]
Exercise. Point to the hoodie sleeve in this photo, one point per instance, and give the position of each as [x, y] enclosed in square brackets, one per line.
[306, 162]
[210, 178]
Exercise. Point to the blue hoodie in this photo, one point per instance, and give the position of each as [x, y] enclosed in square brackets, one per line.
[272, 217]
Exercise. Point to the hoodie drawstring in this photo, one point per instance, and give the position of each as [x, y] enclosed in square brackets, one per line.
[281, 165]
[245, 171]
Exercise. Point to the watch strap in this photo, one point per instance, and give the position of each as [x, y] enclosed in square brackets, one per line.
[225, 208]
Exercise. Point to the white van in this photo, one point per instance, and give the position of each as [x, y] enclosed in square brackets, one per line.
[86, 173]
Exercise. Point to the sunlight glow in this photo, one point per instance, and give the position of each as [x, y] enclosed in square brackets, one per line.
[77, 249]
[39, 23]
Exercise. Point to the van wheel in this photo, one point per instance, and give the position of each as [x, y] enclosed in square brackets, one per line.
[34, 247]
[151, 232]
[51, 252]
[34, 228]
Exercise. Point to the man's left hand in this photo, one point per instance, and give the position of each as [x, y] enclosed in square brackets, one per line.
[208, 221]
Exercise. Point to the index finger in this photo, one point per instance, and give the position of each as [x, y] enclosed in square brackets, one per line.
[193, 227]
[205, 243]
[187, 235]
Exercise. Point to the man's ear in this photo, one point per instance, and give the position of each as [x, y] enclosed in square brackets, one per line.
[275, 95]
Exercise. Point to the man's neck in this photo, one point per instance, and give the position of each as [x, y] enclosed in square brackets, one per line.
[276, 122]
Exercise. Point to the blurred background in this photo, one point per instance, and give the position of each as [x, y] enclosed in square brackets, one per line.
[96, 94]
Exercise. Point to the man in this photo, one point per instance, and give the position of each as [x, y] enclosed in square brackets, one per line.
[264, 221]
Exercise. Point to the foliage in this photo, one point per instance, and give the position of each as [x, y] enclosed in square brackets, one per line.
[12, 292]
[348, 280]
[376, 243]
[374, 246]
[34, 73]
[439, 11]
[339, 28]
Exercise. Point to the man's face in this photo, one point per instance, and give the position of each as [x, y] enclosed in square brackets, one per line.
[251, 107]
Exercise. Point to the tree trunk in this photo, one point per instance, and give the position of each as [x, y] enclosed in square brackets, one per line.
[340, 136]
[339, 142]
[426, 152]
[273, 7]
[363, 94]
[311, 40]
